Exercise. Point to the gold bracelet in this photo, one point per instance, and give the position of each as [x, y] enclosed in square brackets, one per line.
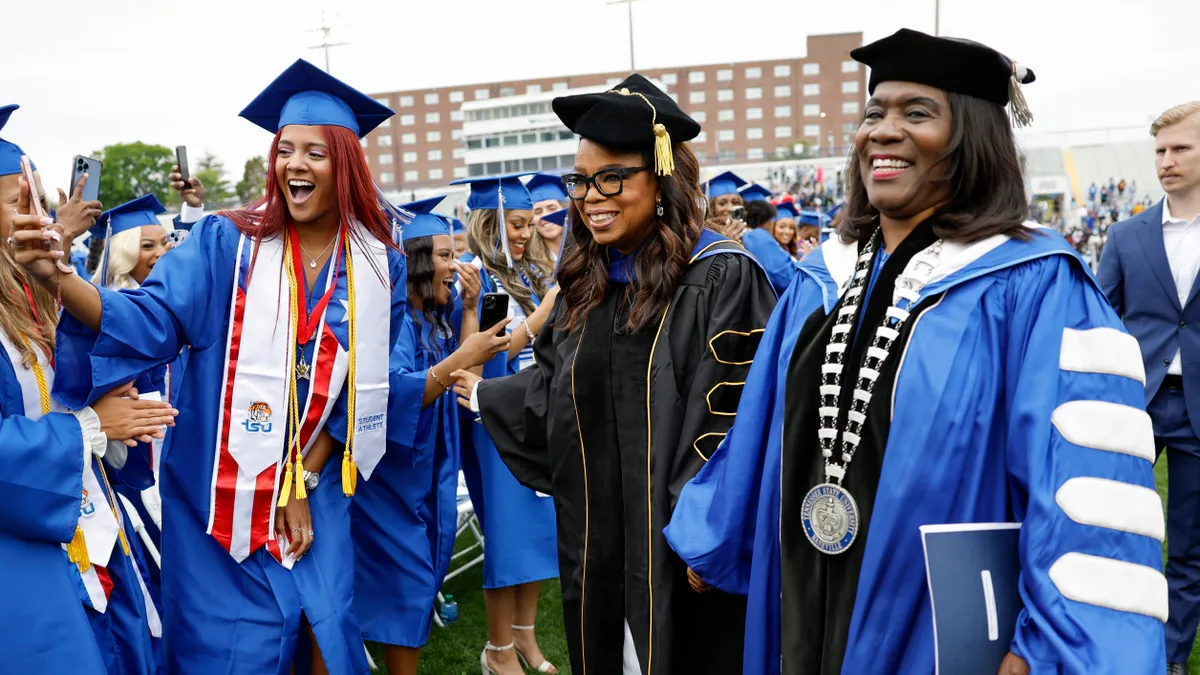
[438, 379]
[528, 333]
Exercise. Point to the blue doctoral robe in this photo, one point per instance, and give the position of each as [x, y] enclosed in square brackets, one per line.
[405, 518]
[43, 626]
[1018, 388]
[776, 262]
[220, 615]
[521, 542]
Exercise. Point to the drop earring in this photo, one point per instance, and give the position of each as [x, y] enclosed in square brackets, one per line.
[658, 209]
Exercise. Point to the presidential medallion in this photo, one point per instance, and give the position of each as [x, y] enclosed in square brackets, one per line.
[303, 369]
[830, 518]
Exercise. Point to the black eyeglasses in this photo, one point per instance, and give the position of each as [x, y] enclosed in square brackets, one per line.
[608, 182]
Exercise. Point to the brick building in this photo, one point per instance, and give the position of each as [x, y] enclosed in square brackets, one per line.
[748, 111]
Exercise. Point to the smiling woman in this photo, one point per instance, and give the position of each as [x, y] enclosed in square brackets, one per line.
[636, 379]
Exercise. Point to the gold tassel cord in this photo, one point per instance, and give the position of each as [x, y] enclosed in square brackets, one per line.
[292, 454]
[664, 161]
[112, 503]
[349, 468]
[1019, 111]
[77, 551]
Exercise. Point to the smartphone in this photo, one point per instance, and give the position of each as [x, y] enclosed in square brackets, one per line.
[495, 309]
[35, 197]
[90, 166]
[738, 213]
[181, 161]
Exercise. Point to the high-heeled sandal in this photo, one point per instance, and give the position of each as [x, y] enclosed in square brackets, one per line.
[484, 668]
[546, 667]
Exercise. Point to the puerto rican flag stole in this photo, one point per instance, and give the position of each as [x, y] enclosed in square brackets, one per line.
[251, 448]
[98, 518]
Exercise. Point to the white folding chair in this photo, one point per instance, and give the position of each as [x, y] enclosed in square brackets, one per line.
[467, 522]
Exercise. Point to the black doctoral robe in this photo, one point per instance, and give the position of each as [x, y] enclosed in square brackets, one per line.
[613, 424]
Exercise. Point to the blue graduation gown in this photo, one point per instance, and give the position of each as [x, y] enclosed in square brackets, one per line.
[405, 518]
[776, 262]
[43, 626]
[521, 541]
[220, 615]
[1020, 333]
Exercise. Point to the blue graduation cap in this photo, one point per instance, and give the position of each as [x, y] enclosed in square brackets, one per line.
[814, 218]
[755, 193]
[498, 192]
[424, 223]
[836, 209]
[457, 226]
[10, 153]
[305, 94]
[543, 187]
[559, 217]
[132, 214]
[786, 210]
[724, 184]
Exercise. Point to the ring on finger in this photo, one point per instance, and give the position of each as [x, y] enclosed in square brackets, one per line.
[311, 533]
[13, 243]
[296, 530]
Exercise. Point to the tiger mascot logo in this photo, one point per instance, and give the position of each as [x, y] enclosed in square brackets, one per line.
[258, 418]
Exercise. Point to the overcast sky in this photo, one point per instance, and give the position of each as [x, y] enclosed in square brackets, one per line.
[93, 73]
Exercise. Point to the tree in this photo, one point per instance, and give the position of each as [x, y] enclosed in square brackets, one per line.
[218, 194]
[254, 180]
[134, 169]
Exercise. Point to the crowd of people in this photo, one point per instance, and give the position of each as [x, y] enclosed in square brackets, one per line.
[718, 412]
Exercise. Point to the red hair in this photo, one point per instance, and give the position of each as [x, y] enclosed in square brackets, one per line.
[356, 196]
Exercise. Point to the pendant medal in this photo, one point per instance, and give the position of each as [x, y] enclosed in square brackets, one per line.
[303, 369]
[830, 518]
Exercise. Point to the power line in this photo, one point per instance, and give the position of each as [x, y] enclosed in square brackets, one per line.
[326, 30]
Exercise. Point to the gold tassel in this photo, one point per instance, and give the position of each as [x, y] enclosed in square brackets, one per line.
[77, 551]
[347, 473]
[124, 541]
[287, 486]
[1019, 111]
[664, 161]
[301, 488]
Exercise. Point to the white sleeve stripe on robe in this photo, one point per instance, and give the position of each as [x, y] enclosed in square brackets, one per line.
[1107, 351]
[1115, 505]
[1114, 584]
[1111, 427]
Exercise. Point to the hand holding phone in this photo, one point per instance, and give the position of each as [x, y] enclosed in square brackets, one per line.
[495, 309]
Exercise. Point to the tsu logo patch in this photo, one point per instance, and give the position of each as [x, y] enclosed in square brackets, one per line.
[86, 507]
[258, 418]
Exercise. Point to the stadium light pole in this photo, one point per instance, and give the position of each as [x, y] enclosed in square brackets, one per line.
[629, 7]
[937, 17]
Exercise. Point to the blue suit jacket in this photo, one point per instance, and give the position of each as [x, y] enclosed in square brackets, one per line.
[1136, 276]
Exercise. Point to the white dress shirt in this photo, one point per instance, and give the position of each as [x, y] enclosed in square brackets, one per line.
[1182, 240]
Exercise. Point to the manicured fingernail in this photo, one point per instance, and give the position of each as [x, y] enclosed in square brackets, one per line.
[52, 235]
[45, 221]
[57, 254]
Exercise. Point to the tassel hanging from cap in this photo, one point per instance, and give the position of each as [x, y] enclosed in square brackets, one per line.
[77, 551]
[664, 160]
[1019, 111]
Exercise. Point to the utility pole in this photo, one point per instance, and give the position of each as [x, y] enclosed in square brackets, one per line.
[326, 30]
[629, 7]
[937, 17]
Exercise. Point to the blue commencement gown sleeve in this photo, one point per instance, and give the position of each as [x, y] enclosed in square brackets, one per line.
[779, 266]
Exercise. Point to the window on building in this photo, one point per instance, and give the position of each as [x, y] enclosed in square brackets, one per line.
[482, 94]
[696, 97]
[696, 77]
[783, 70]
[408, 139]
[754, 153]
[433, 118]
[783, 111]
[812, 110]
[724, 115]
[475, 144]
[725, 75]
[363, 141]
[701, 137]
[850, 66]
[754, 113]
[456, 115]
[812, 89]
[510, 139]
[754, 133]
[726, 135]
[458, 153]
[456, 134]
[431, 98]
[724, 95]
[434, 155]
[699, 115]
[559, 86]
[811, 69]
[850, 87]
[387, 177]
[850, 108]
[753, 93]
[386, 123]
[406, 101]
[674, 96]
[507, 91]
[727, 155]
[461, 172]
[408, 120]
[533, 89]
[753, 73]
[383, 101]
[783, 132]
[386, 158]
[669, 78]
[456, 97]
[410, 158]
[435, 174]
[702, 157]
[849, 127]
[812, 130]
[433, 137]
[412, 176]
[529, 138]
[385, 141]
[611, 81]
[566, 136]
[783, 91]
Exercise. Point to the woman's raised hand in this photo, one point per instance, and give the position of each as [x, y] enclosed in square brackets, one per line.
[468, 277]
[33, 240]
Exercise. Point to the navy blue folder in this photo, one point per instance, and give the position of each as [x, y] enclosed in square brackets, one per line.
[973, 571]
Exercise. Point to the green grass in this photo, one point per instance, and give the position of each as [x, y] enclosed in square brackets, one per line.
[454, 650]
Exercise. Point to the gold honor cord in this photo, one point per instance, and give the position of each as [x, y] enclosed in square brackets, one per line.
[292, 454]
[77, 548]
[349, 469]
